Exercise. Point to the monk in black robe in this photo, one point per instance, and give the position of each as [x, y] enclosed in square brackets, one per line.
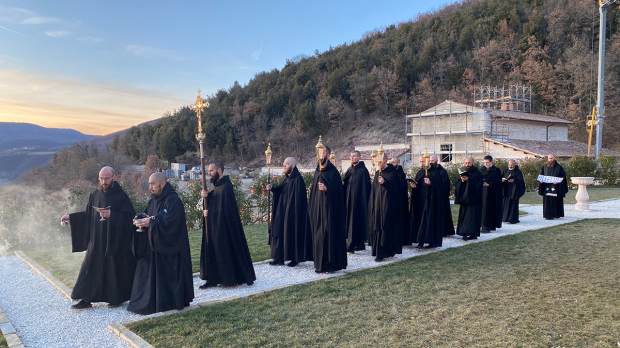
[416, 201]
[104, 231]
[513, 188]
[553, 194]
[291, 237]
[357, 195]
[468, 195]
[327, 217]
[492, 196]
[403, 205]
[436, 220]
[163, 279]
[224, 257]
[384, 211]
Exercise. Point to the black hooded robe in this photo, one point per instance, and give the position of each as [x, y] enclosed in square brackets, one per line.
[492, 199]
[436, 220]
[327, 219]
[163, 279]
[357, 194]
[416, 205]
[403, 208]
[108, 268]
[468, 195]
[384, 214]
[291, 237]
[514, 188]
[225, 257]
[553, 194]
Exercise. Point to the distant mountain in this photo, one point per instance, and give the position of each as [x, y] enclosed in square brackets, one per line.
[15, 136]
[24, 146]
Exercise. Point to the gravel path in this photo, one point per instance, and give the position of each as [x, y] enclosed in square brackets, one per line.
[42, 316]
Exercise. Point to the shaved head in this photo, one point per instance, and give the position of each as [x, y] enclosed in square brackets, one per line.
[291, 161]
[288, 165]
[157, 181]
[106, 177]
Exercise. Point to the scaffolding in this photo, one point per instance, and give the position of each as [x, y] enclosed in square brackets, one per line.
[514, 97]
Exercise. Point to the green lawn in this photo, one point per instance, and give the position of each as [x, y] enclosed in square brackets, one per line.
[65, 265]
[595, 193]
[2, 341]
[555, 287]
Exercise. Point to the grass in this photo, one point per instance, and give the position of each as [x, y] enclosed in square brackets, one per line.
[3, 343]
[65, 265]
[595, 193]
[552, 287]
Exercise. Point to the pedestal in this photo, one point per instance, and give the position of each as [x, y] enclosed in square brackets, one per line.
[582, 197]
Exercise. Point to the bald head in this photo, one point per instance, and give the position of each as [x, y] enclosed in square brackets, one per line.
[157, 181]
[289, 164]
[434, 159]
[106, 177]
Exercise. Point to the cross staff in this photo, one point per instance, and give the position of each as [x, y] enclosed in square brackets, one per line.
[199, 106]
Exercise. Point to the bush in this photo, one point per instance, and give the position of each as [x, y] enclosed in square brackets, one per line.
[530, 169]
[581, 166]
[608, 171]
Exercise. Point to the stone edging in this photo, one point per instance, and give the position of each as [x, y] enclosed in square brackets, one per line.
[9, 332]
[64, 290]
[128, 336]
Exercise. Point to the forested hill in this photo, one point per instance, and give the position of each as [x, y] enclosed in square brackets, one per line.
[359, 92]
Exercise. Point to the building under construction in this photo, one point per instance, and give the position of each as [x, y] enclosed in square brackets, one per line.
[499, 123]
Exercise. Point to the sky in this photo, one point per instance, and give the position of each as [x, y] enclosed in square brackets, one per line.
[103, 66]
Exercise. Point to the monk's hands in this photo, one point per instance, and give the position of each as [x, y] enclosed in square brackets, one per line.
[204, 193]
[268, 187]
[486, 184]
[142, 223]
[104, 212]
[412, 184]
[464, 178]
[205, 213]
[322, 187]
[511, 180]
[427, 181]
[64, 219]
[381, 180]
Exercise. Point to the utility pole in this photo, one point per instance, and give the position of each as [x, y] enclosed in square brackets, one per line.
[600, 94]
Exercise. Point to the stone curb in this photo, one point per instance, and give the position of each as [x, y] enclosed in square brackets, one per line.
[128, 336]
[45, 274]
[9, 332]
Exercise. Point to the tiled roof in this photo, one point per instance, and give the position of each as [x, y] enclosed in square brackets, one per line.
[543, 148]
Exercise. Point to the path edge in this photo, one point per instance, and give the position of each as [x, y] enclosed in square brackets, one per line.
[8, 331]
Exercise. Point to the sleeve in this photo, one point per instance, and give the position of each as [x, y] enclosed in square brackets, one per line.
[119, 226]
[80, 232]
[166, 226]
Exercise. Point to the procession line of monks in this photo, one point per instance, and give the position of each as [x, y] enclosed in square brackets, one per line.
[145, 258]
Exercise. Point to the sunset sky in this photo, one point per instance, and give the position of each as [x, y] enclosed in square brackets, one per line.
[102, 66]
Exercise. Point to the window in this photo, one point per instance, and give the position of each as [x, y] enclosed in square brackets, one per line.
[445, 152]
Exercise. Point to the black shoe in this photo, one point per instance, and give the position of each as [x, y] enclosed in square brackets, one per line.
[292, 264]
[250, 283]
[473, 237]
[81, 304]
[207, 285]
[276, 263]
[466, 237]
[420, 246]
[428, 247]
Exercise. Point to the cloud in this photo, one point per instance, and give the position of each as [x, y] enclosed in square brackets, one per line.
[152, 52]
[93, 108]
[39, 20]
[18, 15]
[57, 33]
[2, 27]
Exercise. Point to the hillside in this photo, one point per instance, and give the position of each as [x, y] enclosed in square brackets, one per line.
[24, 146]
[358, 93]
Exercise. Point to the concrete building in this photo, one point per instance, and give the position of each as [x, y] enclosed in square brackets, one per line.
[453, 131]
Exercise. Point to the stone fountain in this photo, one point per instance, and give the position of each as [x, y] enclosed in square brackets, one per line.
[582, 198]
